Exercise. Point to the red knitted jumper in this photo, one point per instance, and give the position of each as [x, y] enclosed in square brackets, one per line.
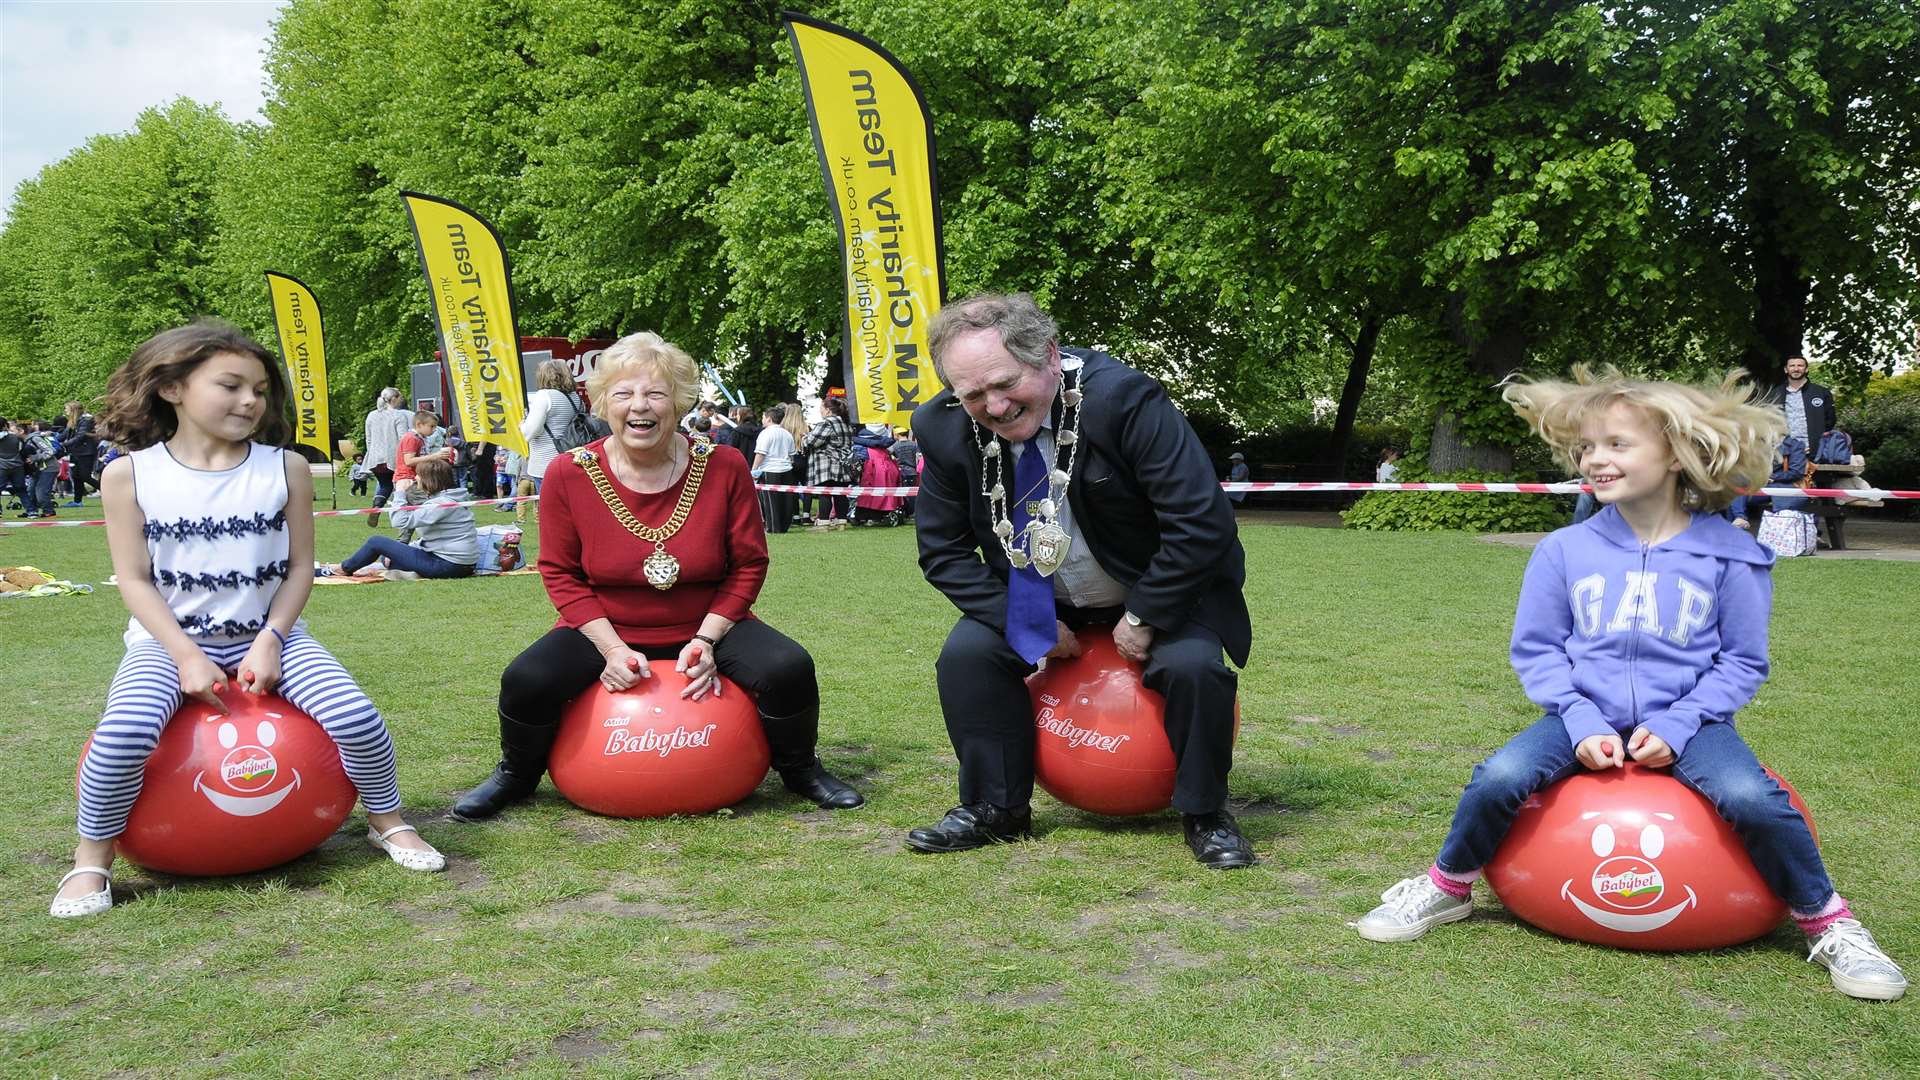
[591, 563]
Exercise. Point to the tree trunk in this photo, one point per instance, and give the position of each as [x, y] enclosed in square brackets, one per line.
[1780, 290]
[1495, 348]
[766, 377]
[1334, 462]
[1451, 453]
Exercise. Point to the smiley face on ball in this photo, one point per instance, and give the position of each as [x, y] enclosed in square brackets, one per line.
[1626, 884]
[249, 781]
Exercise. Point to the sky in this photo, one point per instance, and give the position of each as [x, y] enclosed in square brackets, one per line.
[73, 69]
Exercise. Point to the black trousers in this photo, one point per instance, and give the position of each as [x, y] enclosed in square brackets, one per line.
[538, 684]
[81, 469]
[826, 507]
[776, 507]
[983, 694]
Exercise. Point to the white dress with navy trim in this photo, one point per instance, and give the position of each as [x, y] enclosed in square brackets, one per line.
[218, 540]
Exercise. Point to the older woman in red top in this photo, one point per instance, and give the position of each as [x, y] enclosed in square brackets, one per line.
[652, 550]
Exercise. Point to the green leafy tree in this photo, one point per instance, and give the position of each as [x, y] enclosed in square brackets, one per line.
[105, 248]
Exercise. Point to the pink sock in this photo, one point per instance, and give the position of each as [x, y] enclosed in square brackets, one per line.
[1815, 923]
[1456, 885]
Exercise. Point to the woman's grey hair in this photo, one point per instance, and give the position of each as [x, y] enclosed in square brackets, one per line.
[1027, 332]
[390, 397]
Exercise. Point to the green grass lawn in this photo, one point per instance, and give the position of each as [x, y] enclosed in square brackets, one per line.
[778, 940]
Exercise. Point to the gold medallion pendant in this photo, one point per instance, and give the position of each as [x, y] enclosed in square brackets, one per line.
[661, 570]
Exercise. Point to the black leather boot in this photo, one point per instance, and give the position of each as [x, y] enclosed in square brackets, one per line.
[523, 760]
[827, 791]
[792, 739]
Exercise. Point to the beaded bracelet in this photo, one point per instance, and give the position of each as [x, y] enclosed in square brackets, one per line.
[278, 634]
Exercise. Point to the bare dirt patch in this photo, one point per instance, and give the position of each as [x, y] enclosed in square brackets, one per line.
[580, 1045]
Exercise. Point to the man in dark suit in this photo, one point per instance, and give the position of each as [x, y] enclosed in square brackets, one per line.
[1098, 507]
[1808, 405]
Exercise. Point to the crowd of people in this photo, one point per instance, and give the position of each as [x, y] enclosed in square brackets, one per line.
[781, 448]
[1062, 496]
[44, 463]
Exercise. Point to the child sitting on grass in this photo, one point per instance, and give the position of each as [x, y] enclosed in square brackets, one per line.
[1641, 631]
[445, 541]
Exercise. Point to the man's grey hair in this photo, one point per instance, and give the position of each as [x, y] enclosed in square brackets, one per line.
[1026, 331]
[390, 396]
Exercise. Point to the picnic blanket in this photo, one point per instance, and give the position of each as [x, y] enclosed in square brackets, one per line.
[33, 581]
[374, 577]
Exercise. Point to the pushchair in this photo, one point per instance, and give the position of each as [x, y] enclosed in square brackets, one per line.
[880, 470]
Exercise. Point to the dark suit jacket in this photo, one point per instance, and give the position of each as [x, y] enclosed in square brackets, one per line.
[1817, 402]
[1143, 496]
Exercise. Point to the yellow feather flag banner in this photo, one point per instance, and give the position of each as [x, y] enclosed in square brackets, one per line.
[296, 314]
[472, 292]
[875, 142]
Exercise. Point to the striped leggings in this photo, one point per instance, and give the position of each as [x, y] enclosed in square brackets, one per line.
[146, 692]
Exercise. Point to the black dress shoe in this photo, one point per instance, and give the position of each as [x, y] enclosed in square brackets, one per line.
[1216, 841]
[975, 825]
[827, 791]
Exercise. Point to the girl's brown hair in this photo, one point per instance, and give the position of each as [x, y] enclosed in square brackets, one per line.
[136, 416]
[434, 475]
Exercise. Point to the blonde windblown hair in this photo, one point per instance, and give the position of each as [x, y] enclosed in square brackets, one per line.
[1724, 442]
[649, 352]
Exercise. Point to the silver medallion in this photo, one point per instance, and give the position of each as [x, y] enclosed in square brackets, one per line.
[1047, 544]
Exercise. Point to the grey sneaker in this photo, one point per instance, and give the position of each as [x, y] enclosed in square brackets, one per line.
[1411, 908]
[1858, 967]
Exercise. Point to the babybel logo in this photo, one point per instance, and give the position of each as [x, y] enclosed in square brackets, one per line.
[1630, 884]
[1077, 736]
[248, 768]
[659, 742]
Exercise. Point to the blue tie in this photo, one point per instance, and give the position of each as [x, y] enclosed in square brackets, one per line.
[1030, 624]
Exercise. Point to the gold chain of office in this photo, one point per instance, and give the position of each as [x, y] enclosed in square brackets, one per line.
[661, 569]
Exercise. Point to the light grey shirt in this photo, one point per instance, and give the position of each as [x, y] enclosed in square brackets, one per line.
[1796, 415]
[1080, 581]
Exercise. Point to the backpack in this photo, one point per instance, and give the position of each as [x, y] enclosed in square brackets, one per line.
[1792, 466]
[41, 448]
[578, 432]
[1836, 448]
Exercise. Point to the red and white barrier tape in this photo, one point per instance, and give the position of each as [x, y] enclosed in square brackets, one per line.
[506, 500]
[1569, 488]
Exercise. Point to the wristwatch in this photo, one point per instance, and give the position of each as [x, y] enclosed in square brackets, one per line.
[1132, 619]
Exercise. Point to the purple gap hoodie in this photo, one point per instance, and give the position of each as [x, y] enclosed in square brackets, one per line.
[1611, 634]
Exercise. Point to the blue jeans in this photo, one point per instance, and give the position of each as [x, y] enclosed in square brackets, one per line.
[42, 483]
[404, 557]
[1717, 764]
[1784, 502]
[1585, 507]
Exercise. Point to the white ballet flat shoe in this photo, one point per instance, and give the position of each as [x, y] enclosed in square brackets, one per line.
[411, 858]
[74, 907]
